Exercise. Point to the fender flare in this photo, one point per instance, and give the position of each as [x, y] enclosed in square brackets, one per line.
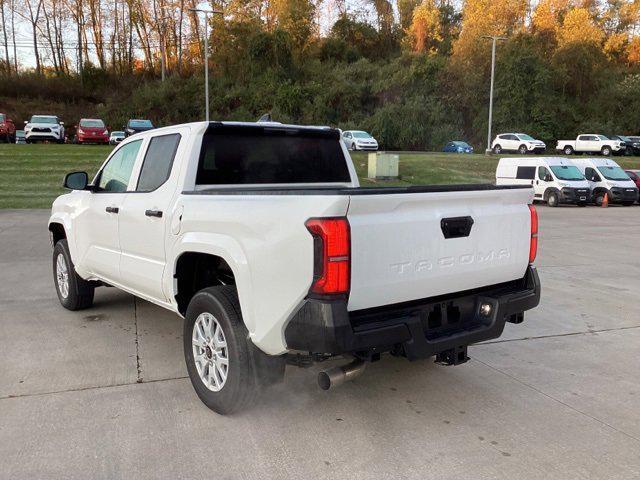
[230, 251]
[63, 219]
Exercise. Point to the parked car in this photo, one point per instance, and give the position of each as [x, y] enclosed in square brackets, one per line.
[635, 176]
[606, 177]
[555, 180]
[134, 126]
[91, 130]
[44, 128]
[591, 143]
[116, 137]
[632, 143]
[318, 266]
[359, 140]
[20, 138]
[517, 142]
[458, 147]
[7, 129]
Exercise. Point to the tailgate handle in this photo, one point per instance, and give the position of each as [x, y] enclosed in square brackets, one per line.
[456, 227]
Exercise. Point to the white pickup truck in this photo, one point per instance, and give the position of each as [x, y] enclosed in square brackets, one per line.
[260, 236]
[591, 143]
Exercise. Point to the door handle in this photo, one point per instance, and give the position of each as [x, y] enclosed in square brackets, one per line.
[112, 209]
[153, 213]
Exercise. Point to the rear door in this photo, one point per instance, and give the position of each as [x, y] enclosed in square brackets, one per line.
[414, 245]
[144, 216]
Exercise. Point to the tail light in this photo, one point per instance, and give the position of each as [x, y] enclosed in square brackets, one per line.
[533, 246]
[331, 255]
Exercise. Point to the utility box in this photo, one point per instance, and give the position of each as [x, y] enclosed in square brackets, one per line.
[383, 165]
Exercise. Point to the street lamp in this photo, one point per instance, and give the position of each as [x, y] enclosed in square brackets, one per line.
[206, 55]
[493, 68]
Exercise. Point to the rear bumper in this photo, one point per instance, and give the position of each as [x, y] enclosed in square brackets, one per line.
[417, 329]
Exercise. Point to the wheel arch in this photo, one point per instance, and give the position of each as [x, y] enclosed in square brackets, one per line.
[204, 260]
[548, 192]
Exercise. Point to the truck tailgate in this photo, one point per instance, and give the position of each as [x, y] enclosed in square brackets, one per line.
[399, 251]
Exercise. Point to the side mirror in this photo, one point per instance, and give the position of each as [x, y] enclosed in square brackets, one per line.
[25, 122]
[62, 123]
[548, 178]
[76, 181]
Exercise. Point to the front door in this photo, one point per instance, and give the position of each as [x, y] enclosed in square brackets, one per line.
[100, 239]
[145, 215]
[540, 183]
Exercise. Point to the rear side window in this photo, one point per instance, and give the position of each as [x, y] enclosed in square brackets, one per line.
[158, 161]
[526, 173]
[262, 155]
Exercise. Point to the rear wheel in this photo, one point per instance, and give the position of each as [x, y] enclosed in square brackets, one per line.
[522, 150]
[568, 150]
[552, 199]
[73, 291]
[221, 360]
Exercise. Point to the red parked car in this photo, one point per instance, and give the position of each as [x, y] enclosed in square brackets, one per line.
[7, 129]
[635, 176]
[91, 130]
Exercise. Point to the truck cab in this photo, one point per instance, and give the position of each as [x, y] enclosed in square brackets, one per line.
[555, 180]
[592, 143]
[605, 177]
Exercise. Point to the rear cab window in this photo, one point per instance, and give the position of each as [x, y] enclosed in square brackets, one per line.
[158, 161]
[261, 155]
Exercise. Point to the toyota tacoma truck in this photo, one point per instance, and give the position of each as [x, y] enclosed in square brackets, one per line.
[259, 235]
[592, 143]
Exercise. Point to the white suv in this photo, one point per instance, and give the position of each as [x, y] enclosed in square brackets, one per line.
[517, 142]
[359, 140]
[44, 127]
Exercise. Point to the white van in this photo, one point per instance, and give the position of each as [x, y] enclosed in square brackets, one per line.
[555, 180]
[606, 176]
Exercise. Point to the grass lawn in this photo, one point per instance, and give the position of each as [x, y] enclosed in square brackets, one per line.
[31, 175]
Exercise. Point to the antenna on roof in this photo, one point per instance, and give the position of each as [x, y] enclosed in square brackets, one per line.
[265, 118]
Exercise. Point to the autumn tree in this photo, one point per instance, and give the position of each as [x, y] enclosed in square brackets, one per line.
[425, 31]
[579, 27]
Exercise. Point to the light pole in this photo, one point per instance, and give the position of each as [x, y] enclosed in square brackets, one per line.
[493, 68]
[206, 55]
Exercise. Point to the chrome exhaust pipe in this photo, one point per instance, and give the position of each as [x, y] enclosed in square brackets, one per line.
[338, 375]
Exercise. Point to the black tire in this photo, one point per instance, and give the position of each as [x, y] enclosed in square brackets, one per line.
[598, 198]
[553, 199]
[80, 292]
[582, 204]
[243, 382]
[522, 149]
[354, 147]
[568, 150]
[497, 149]
[606, 151]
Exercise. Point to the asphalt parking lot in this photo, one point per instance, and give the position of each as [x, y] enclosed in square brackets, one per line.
[102, 393]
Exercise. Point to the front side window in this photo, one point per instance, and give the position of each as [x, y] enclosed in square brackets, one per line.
[115, 175]
[567, 172]
[602, 138]
[269, 155]
[591, 174]
[158, 161]
[542, 173]
[613, 173]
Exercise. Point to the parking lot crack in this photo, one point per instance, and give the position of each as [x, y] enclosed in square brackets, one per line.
[569, 334]
[551, 397]
[135, 320]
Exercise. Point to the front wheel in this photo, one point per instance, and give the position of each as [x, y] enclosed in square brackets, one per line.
[522, 150]
[598, 199]
[497, 149]
[221, 360]
[606, 151]
[73, 291]
[552, 199]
